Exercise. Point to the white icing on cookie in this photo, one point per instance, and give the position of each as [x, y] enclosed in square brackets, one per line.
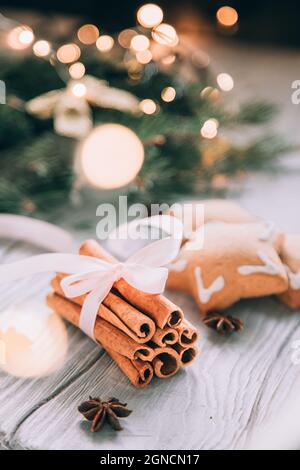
[269, 267]
[294, 278]
[205, 294]
[196, 241]
[268, 232]
[178, 266]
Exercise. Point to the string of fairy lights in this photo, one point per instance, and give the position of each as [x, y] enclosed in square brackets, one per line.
[151, 40]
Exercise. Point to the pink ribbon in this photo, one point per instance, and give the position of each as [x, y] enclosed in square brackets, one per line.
[145, 270]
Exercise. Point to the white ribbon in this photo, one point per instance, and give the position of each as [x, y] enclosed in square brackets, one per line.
[35, 231]
[145, 270]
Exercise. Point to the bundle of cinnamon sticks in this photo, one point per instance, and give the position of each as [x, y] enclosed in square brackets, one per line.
[145, 334]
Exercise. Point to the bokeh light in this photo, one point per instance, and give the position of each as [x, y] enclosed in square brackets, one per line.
[169, 59]
[41, 48]
[227, 16]
[209, 129]
[148, 106]
[111, 156]
[140, 43]
[105, 43]
[77, 70]
[225, 81]
[150, 15]
[68, 53]
[79, 90]
[34, 340]
[20, 37]
[210, 93]
[125, 37]
[168, 94]
[144, 57]
[88, 34]
[165, 34]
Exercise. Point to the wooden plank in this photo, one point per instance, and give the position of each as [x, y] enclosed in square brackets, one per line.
[235, 384]
[22, 396]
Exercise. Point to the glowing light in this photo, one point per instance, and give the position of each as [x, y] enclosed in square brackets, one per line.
[225, 81]
[165, 34]
[148, 106]
[125, 37]
[150, 15]
[210, 93]
[34, 341]
[144, 57]
[168, 94]
[105, 43]
[169, 59]
[111, 156]
[26, 37]
[227, 16]
[210, 129]
[77, 70]
[20, 37]
[140, 43]
[68, 53]
[88, 34]
[79, 90]
[41, 48]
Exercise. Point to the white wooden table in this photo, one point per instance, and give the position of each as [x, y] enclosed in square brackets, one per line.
[236, 385]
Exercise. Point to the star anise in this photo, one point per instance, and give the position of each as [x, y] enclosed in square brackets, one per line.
[223, 324]
[99, 412]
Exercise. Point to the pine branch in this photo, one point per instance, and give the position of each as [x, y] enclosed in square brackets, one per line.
[36, 165]
[256, 113]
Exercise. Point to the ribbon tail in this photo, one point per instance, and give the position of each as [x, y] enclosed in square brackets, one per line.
[38, 232]
[48, 262]
[91, 306]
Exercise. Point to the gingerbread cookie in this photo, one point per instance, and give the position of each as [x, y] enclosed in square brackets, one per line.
[290, 256]
[236, 261]
[196, 213]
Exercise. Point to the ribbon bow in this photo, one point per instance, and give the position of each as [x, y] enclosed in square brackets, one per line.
[145, 270]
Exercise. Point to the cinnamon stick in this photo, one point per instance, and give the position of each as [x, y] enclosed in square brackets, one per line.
[187, 333]
[139, 373]
[118, 312]
[167, 336]
[162, 311]
[106, 334]
[186, 354]
[166, 362]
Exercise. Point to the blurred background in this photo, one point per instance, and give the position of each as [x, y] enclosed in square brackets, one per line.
[260, 21]
[160, 102]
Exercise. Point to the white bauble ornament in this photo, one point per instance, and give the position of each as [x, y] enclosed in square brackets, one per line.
[33, 341]
[111, 156]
